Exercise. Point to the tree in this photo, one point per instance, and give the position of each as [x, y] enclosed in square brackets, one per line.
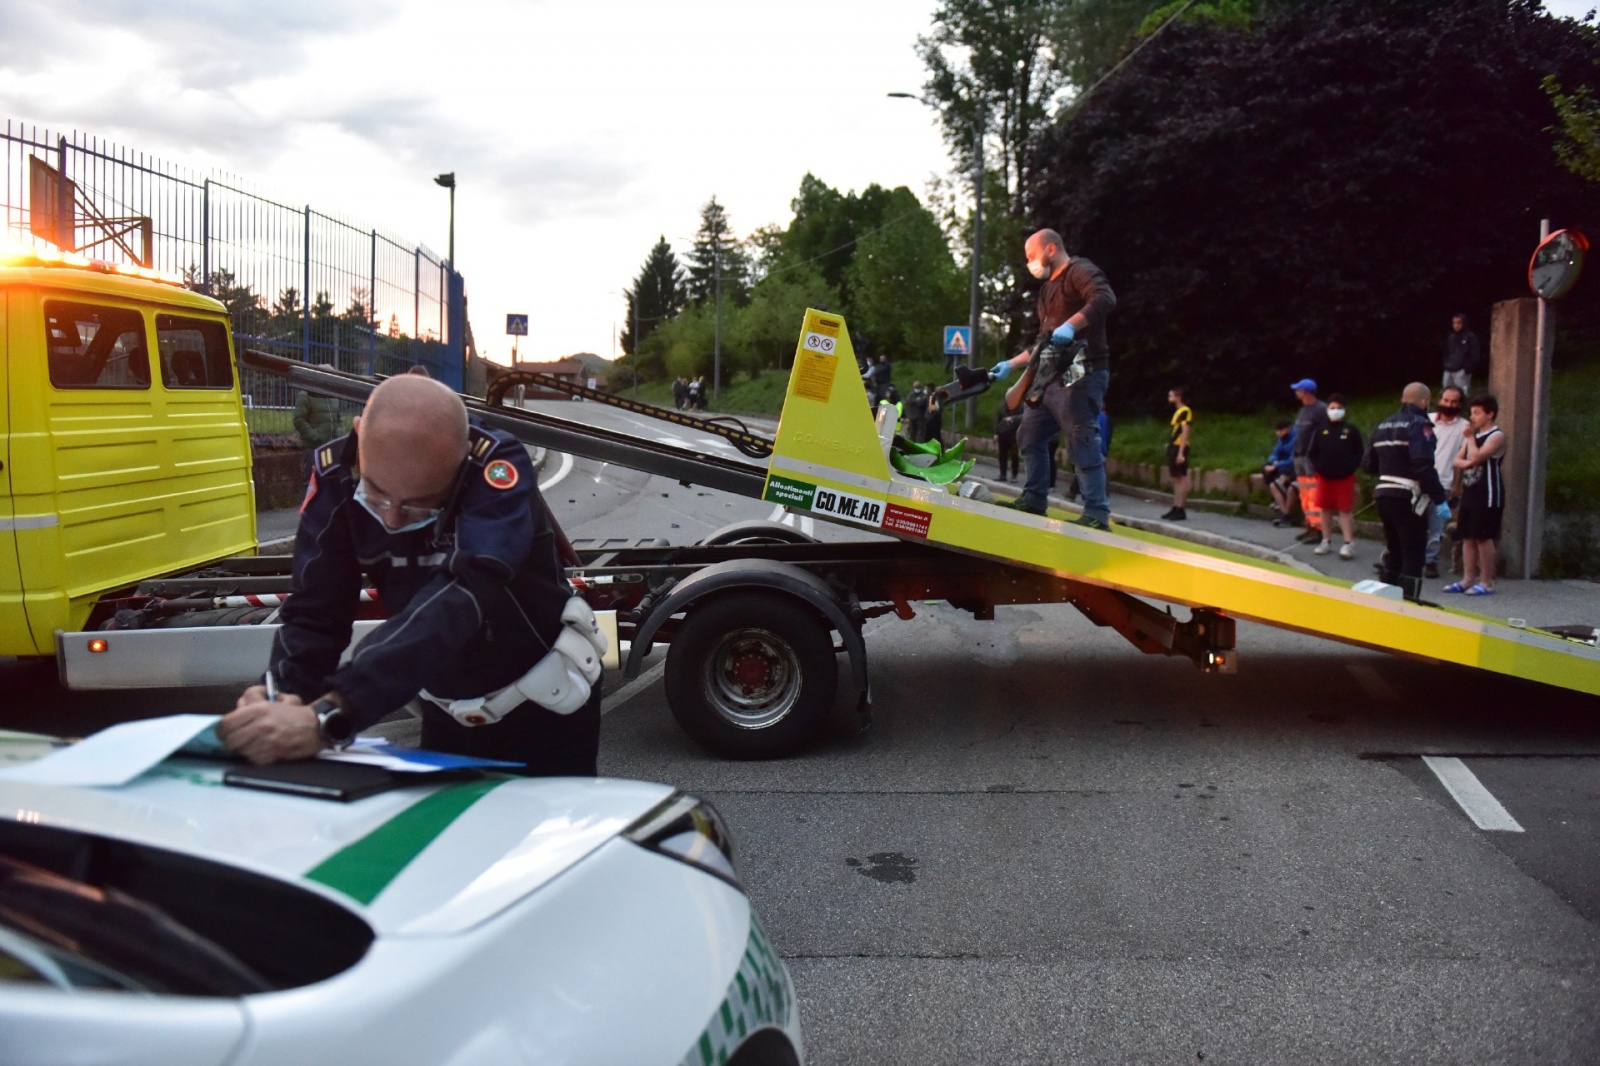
[683, 345]
[993, 68]
[765, 331]
[656, 295]
[905, 285]
[716, 251]
[1315, 194]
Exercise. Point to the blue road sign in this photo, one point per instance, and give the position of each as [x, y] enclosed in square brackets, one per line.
[958, 340]
[516, 325]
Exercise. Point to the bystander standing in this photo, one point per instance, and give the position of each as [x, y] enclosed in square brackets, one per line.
[1449, 426]
[1310, 419]
[1461, 355]
[1483, 498]
[917, 413]
[1007, 421]
[316, 422]
[1335, 455]
[1178, 455]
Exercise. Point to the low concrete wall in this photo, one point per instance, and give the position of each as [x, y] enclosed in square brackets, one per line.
[277, 477]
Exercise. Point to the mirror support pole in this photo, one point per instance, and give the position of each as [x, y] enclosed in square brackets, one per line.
[1532, 532]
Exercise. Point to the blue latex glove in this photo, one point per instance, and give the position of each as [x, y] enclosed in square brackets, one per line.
[1063, 334]
[1442, 511]
[1001, 370]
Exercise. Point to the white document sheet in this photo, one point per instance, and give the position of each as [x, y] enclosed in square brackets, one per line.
[115, 755]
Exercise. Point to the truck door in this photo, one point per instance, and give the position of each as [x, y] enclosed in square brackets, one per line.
[14, 636]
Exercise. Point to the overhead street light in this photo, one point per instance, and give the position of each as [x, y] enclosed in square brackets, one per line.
[449, 182]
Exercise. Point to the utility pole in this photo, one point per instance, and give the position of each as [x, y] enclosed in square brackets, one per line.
[977, 254]
[716, 329]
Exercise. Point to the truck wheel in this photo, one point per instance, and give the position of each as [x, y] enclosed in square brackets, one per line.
[757, 532]
[751, 676]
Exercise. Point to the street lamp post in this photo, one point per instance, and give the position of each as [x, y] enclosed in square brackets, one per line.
[449, 182]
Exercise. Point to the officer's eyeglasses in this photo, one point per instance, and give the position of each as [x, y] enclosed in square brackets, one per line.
[408, 513]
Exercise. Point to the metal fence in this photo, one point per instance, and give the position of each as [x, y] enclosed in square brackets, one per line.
[376, 304]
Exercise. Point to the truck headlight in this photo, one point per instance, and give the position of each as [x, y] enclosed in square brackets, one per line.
[690, 830]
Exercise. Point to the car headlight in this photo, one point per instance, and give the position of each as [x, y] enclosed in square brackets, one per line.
[690, 830]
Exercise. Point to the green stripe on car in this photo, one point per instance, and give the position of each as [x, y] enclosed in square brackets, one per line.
[365, 868]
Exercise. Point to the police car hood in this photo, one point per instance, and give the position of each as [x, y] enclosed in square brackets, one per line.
[418, 861]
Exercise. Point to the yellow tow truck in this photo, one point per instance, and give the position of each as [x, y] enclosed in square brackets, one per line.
[124, 453]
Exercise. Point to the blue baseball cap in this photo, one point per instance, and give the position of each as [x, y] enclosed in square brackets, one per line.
[1304, 383]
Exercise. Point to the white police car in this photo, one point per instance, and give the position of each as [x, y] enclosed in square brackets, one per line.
[498, 920]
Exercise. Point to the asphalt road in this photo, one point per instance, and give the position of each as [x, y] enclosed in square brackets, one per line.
[1050, 848]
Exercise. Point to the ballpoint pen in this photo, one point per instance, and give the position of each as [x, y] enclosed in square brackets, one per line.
[272, 688]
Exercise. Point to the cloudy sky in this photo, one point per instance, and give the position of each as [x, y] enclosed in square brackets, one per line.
[578, 131]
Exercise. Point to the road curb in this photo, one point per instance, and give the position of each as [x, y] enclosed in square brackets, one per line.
[1172, 529]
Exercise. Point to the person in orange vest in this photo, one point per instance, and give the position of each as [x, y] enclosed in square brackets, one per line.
[1308, 421]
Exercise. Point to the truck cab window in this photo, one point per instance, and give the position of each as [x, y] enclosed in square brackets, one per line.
[92, 347]
[194, 353]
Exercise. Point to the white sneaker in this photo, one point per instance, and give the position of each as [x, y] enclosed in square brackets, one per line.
[1347, 550]
[1323, 549]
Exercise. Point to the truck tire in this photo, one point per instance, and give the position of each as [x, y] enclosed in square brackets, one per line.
[757, 532]
[752, 675]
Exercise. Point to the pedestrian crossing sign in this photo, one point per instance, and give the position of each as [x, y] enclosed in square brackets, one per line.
[958, 340]
[516, 325]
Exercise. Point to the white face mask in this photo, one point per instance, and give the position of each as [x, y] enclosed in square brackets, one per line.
[1039, 268]
[1336, 414]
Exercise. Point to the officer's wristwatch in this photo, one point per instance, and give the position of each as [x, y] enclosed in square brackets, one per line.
[335, 726]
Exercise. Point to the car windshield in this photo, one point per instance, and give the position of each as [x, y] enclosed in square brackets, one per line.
[73, 934]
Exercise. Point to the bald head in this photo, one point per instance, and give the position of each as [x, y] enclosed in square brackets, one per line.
[413, 438]
[1046, 255]
[1416, 393]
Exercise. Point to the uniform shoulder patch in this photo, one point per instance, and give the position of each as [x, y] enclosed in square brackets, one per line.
[479, 444]
[328, 455]
[501, 474]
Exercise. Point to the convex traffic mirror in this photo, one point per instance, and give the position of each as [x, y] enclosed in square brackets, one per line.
[1556, 264]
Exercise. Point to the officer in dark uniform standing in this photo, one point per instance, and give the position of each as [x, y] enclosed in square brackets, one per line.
[1408, 487]
[446, 520]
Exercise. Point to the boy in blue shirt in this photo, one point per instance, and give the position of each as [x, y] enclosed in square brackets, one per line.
[1279, 472]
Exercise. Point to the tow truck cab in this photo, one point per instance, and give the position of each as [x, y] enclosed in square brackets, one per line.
[124, 453]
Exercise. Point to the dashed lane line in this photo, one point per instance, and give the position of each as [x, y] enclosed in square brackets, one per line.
[1465, 788]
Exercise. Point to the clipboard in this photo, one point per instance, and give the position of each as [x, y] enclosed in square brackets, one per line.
[330, 779]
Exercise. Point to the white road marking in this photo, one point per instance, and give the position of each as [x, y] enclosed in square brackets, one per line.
[777, 513]
[788, 519]
[566, 468]
[1369, 679]
[1465, 788]
[808, 526]
[634, 687]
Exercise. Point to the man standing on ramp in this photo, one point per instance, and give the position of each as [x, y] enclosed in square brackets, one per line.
[1074, 301]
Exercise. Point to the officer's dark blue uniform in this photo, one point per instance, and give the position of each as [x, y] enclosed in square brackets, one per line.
[472, 602]
[1402, 450]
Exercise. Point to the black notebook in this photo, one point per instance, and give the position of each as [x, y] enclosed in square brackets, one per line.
[331, 779]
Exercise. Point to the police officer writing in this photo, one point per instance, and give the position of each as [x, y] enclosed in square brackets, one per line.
[1074, 301]
[1408, 487]
[445, 520]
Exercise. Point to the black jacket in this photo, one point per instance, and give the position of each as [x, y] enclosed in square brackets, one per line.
[1402, 446]
[1461, 351]
[1336, 450]
[1080, 287]
[471, 602]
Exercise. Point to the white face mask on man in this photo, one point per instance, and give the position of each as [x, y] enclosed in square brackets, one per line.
[1039, 268]
[1336, 414]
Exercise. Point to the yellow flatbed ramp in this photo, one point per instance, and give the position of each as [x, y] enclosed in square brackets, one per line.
[829, 461]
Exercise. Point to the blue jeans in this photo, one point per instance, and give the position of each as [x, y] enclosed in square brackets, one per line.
[1075, 412]
[1435, 534]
